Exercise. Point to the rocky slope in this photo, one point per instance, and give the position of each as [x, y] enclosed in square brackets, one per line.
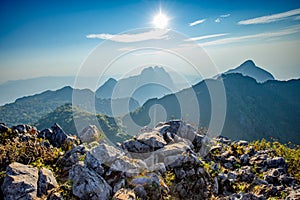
[171, 161]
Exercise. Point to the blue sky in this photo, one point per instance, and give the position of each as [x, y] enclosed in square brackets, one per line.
[50, 38]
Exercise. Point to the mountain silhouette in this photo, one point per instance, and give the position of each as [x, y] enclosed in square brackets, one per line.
[248, 68]
[152, 82]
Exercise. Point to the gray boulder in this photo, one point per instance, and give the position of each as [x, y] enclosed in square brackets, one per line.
[128, 165]
[89, 134]
[87, 184]
[153, 139]
[105, 154]
[145, 142]
[20, 182]
[26, 182]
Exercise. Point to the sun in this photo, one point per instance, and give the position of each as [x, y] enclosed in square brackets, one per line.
[160, 20]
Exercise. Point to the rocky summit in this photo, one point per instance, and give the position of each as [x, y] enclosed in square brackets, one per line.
[172, 161]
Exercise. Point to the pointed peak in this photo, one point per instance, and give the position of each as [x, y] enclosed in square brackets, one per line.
[248, 63]
[111, 80]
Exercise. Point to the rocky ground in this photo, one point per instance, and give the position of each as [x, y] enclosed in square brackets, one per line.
[172, 161]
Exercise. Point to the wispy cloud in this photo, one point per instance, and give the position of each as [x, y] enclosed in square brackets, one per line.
[153, 34]
[270, 18]
[206, 37]
[200, 21]
[297, 17]
[268, 35]
[226, 15]
[218, 20]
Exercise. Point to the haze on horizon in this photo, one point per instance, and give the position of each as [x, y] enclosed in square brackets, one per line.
[54, 38]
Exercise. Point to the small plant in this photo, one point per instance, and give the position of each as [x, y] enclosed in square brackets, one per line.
[169, 178]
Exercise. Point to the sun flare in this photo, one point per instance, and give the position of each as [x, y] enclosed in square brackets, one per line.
[160, 20]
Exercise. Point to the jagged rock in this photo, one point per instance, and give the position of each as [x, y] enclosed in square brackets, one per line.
[168, 154]
[89, 134]
[276, 162]
[92, 163]
[46, 182]
[87, 184]
[3, 128]
[23, 128]
[124, 194]
[176, 127]
[26, 182]
[145, 142]
[70, 158]
[244, 159]
[153, 139]
[56, 136]
[135, 146]
[20, 182]
[105, 154]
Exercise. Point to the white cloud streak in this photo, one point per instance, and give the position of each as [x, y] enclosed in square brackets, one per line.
[226, 15]
[219, 19]
[138, 37]
[268, 35]
[200, 21]
[270, 18]
[206, 37]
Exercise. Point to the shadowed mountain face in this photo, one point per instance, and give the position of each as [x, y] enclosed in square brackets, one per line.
[254, 110]
[105, 91]
[248, 68]
[152, 82]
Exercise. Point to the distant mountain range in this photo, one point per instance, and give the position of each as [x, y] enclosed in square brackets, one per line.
[27, 110]
[152, 82]
[257, 106]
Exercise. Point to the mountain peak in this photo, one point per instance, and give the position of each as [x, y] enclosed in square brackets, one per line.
[247, 64]
[151, 70]
[105, 91]
[248, 68]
